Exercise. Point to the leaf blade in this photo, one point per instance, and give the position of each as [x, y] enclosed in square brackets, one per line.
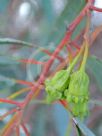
[83, 128]
[14, 41]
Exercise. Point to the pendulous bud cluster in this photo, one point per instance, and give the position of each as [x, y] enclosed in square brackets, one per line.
[72, 87]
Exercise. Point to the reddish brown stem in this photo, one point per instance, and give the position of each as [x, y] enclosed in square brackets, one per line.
[75, 45]
[69, 48]
[64, 103]
[25, 129]
[79, 18]
[17, 131]
[49, 53]
[23, 82]
[11, 124]
[10, 102]
[95, 8]
[8, 113]
[31, 61]
[77, 38]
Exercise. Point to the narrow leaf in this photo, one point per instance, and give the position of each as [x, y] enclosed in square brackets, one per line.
[14, 41]
[83, 128]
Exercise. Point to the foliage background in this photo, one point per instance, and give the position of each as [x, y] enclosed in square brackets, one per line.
[43, 23]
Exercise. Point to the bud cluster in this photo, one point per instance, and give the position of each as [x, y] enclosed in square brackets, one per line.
[72, 87]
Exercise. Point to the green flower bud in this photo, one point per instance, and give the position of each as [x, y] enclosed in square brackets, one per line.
[79, 109]
[53, 96]
[77, 93]
[56, 85]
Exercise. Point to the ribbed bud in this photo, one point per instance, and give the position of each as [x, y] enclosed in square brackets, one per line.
[77, 95]
[56, 85]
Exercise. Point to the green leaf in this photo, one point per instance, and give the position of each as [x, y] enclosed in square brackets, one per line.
[14, 41]
[95, 66]
[79, 132]
[83, 128]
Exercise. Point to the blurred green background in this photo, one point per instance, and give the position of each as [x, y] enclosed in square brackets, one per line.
[42, 23]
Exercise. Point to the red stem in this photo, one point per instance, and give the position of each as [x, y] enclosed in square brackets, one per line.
[17, 131]
[8, 113]
[25, 129]
[13, 125]
[75, 45]
[25, 82]
[95, 8]
[64, 103]
[31, 61]
[49, 53]
[79, 18]
[10, 102]
[77, 38]
[69, 48]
